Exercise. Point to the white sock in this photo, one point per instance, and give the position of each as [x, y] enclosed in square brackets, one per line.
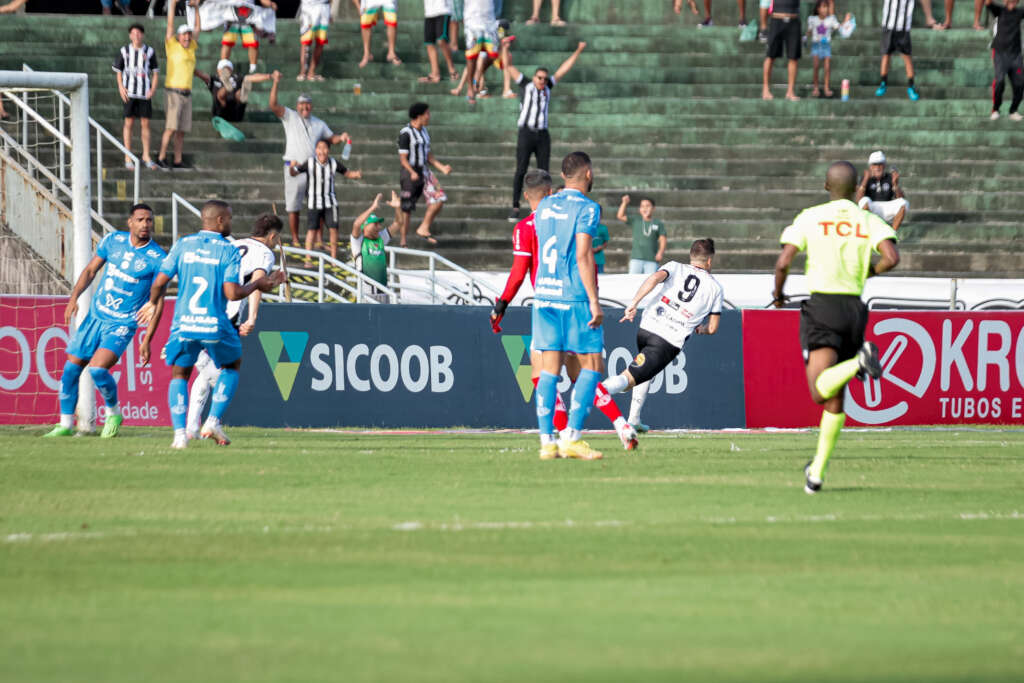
[113, 410]
[179, 433]
[570, 435]
[547, 438]
[636, 404]
[67, 421]
[616, 384]
[252, 68]
[619, 423]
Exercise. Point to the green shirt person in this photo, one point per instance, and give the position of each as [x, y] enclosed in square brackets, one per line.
[649, 236]
[369, 237]
[599, 242]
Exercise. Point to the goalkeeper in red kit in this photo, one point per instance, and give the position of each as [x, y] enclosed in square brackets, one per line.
[537, 185]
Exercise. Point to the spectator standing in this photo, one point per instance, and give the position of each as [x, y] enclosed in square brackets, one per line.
[930, 22]
[302, 131]
[533, 138]
[820, 26]
[556, 20]
[229, 93]
[250, 41]
[180, 48]
[1006, 57]
[896, 18]
[415, 178]
[784, 37]
[137, 77]
[369, 10]
[314, 18]
[481, 31]
[454, 21]
[370, 236]
[321, 199]
[436, 18]
[649, 236]
[598, 244]
[880, 193]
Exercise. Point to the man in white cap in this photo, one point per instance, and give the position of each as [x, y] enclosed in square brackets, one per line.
[229, 91]
[880, 193]
[302, 131]
[180, 46]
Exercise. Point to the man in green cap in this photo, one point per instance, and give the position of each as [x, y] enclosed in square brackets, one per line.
[370, 236]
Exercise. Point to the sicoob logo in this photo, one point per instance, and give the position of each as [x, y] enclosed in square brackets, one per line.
[294, 346]
[515, 345]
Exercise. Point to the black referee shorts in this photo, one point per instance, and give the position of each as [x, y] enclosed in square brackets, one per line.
[835, 321]
[654, 356]
[895, 41]
[138, 109]
[784, 37]
[412, 190]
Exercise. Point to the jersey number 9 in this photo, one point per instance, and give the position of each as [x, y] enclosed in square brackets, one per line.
[689, 291]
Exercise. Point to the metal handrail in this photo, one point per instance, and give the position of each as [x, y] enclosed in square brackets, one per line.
[433, 260]
[175, 200]
[324, 277]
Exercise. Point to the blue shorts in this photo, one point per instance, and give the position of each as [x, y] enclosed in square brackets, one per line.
[95, 334]
[184, 352]
[822, 50]
[562, 326]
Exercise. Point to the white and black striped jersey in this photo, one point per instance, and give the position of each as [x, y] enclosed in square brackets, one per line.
[135, 66]
[415, 143]
[897, 14]
[533, 103]
[686, 298]
[255, 256]
[320, 185]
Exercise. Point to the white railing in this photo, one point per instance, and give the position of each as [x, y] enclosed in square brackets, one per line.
[101, 134]
[458, 287]
[364, 290]
[177, 199]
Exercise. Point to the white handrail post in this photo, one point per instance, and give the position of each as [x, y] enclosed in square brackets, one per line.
[320, 268]
[24, 122]
[174, 217]
[60, 104]
[433, 281]
[135, 194]
[99, 173]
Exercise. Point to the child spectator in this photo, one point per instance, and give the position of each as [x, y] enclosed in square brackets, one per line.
[229, 93]
[320, 196]
[368, 12]
[137, 76]
[896, 18]
[1006, 58]
[820, 26]
[649, 236]
[436, 17]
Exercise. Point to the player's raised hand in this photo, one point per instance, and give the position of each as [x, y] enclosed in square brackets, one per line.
[629, 314]
[70, 310]
[596, 315]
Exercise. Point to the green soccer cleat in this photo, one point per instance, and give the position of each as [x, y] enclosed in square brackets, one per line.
[59, 431]
[111, 426]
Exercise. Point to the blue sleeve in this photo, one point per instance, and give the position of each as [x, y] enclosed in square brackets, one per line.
[170, 265]
[103, 251]
[233, 272]
[589, 218]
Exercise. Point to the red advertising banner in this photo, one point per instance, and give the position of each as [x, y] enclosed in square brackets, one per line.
[33, 339]
[938, 368]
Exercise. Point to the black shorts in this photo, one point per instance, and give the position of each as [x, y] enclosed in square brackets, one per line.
[138, 109]
[895, 41]
[784, 33]
[412, 190]
[834, 321]
[435, 29]
[329, 216]
[654, 355]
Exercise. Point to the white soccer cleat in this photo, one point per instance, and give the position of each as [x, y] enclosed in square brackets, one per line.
[180, 442]
[192, 434]
[213, 430]
[627, 435]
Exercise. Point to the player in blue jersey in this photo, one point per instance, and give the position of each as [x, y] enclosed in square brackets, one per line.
[208, 269]
[132, 261]
[566, 313]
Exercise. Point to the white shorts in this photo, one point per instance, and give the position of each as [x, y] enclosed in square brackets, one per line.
[294, 191]
[477, 33]
[885, 210]
[311, 17]
[370, 5]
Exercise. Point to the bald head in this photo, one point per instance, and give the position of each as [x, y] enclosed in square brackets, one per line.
[216, 216]
[841, 180]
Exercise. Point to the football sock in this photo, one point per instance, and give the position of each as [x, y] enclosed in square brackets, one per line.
[69, 389]
[200, 392]
[832, 380]
[883, 79]
[605, 404]
[582, 398]
[177, 401]
[103, 380]
[547, 389]
[226, 385]
[616, 384]
[561, 417]
[831, 424]
[636, 404]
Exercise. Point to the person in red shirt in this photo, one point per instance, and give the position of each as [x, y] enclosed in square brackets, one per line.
[537, 185]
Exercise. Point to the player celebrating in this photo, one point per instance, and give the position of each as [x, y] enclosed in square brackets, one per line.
[132, 260]
[689, 301]
[208, 269]
[839, 238]
[566, 314]
[257, 261]
[524, 247]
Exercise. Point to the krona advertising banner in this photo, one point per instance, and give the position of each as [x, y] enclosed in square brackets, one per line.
[938, 368]
[427, 366]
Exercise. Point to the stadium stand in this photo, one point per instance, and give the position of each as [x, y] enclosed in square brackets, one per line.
[664, 109]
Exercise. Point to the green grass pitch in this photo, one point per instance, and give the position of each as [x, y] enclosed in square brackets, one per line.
[305, 556]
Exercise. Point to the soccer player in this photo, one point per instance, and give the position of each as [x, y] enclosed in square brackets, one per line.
[524, 246]
[689, 301]
[208, 268]
[132, 261]
[839, 238]
[257, 261]
[566, 314]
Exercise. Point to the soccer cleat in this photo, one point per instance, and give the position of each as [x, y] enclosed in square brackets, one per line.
[912, 94]
[994, 116]
[111, 426]
[192, 435]
[578, 450]
[213, 430]
[548, 451]
[867, 361]
[810, 485]
[881, 90]
[627, 435]
[640, 427]
[59, 431]
[180, 442]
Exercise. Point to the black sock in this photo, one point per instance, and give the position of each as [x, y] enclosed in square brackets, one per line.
[885, 77]
[910, 82]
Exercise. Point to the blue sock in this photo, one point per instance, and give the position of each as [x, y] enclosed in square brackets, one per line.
[583, 398]
[547, 387]
[69, 388]
[103, 380]
[222, 393]
[177, 401]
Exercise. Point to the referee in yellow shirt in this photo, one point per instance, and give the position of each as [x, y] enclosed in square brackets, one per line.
[839, 239]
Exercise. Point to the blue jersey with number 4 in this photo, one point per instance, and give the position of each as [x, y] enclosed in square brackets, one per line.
[203, 263]
[558, 219]
[129, 273]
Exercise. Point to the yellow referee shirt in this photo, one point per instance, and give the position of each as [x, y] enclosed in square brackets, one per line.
[181, 62]
[838, 237]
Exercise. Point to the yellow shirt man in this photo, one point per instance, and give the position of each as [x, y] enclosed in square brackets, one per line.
[181, 63]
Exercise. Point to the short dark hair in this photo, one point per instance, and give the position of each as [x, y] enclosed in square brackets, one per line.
[575, 163]
[417, 110]
[143, 207]
[542, 68]
[648, 199]
[137, 26]
[536, 179]
[703, 249]
[266, 223]
[326, 141]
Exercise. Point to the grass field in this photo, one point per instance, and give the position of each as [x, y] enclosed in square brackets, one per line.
[302, 556]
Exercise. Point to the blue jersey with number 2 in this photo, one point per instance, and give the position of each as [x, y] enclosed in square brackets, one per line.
[558, 219]
[203, 263]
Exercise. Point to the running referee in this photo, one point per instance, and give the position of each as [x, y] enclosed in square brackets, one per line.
[534, 139]
[839, 239]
